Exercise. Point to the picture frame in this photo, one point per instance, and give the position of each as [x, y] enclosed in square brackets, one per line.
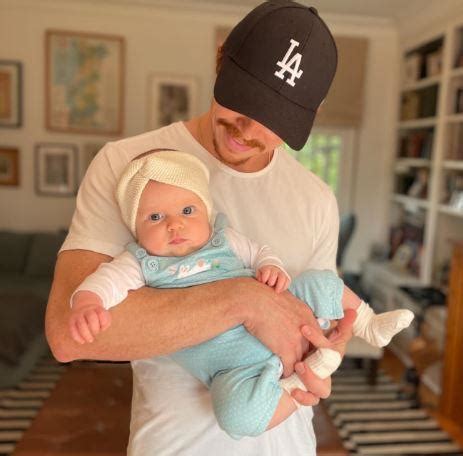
[10, 93]
[55, 169]
[9, 166]
[84, 82]
[171, 99]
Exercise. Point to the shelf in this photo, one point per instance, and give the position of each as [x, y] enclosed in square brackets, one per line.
[410, 203]
[422, 83]
[453, 164]
[454, 118]
[418, 123]
[456, 72]
[448, 210]
[406, 162]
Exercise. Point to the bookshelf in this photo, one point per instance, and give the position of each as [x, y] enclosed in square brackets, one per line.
[427, 173]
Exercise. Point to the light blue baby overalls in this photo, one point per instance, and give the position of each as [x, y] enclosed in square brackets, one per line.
[241, 373]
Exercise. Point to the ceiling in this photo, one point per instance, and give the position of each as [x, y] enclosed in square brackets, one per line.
[386, 9]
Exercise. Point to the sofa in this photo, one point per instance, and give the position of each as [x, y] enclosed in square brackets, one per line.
[27, 263]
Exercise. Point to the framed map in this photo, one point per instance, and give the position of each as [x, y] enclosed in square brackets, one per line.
[10, 93]
[84, 82]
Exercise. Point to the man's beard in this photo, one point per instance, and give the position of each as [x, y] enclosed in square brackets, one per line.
[235, 134]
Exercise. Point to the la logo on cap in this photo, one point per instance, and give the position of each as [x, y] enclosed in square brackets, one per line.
[290, 64]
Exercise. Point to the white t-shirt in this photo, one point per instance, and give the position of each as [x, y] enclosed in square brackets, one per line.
[283, 206]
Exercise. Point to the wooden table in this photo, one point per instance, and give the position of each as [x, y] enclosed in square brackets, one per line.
[88, 412]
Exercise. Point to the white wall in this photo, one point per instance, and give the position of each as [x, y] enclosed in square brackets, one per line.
[179, 42]
[375, 142]
[157, 41]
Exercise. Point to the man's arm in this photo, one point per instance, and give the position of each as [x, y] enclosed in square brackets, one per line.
[152, 322]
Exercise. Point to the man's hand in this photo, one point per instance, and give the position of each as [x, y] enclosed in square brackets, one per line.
[276, 320]
[317, 388]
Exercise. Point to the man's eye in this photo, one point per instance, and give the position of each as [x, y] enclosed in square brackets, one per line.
[155, 217]
[188, 210]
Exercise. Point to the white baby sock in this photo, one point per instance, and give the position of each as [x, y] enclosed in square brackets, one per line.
[322, 362]
[379, 329]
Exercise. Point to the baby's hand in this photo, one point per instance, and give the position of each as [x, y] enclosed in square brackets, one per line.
[88, 318]
[273, 277]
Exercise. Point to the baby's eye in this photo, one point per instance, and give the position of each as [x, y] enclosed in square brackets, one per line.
[188, 210]
[155, 217]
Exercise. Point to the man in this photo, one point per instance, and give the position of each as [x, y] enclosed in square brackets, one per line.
[275, 70]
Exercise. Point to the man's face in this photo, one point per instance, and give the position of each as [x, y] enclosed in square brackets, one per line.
[240, 142]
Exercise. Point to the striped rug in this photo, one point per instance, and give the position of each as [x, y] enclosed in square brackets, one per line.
[372, 420]
[20, 405]
[381, 420]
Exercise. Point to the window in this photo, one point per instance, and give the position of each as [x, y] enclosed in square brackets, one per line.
[328, 154]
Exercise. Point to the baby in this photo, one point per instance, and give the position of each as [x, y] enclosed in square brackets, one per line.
[164, 200]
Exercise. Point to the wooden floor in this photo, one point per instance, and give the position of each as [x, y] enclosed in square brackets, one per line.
[91, 401]
[394, 367]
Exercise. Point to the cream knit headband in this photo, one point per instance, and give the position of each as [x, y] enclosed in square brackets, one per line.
[169, 167]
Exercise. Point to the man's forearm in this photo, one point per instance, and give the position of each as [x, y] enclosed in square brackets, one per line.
[149, 322]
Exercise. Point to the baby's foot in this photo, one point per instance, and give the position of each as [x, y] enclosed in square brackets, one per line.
[379, 329]
[322, 362]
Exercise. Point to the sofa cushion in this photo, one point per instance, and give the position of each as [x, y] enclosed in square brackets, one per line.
[21, 284]
[22, 316]
[13, 251]
[42, 254]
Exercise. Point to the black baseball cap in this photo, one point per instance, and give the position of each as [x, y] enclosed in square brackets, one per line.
[277, 66]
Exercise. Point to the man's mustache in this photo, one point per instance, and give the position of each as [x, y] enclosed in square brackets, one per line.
[235, 133]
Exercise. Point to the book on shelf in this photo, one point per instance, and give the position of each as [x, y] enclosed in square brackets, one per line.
[416, 144]
[410, 106]
[434, 63]
[455, 142]
[428, 101]
[412, 68]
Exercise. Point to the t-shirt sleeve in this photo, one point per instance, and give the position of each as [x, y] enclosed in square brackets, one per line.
[96, 224]
[112, 281]
[324, 255]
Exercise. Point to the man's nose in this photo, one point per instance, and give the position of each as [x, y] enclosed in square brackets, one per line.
[244, 124]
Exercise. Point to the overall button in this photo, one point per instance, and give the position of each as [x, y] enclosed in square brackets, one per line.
[153, 264]
[140, 253]
[217, 241]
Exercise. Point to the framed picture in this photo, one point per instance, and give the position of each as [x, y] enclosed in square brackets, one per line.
[55, 169]
[10, 93]
[171, 99]
[9, 166]
[84, 82]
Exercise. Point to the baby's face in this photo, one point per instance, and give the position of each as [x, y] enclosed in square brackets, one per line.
[171, 221]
